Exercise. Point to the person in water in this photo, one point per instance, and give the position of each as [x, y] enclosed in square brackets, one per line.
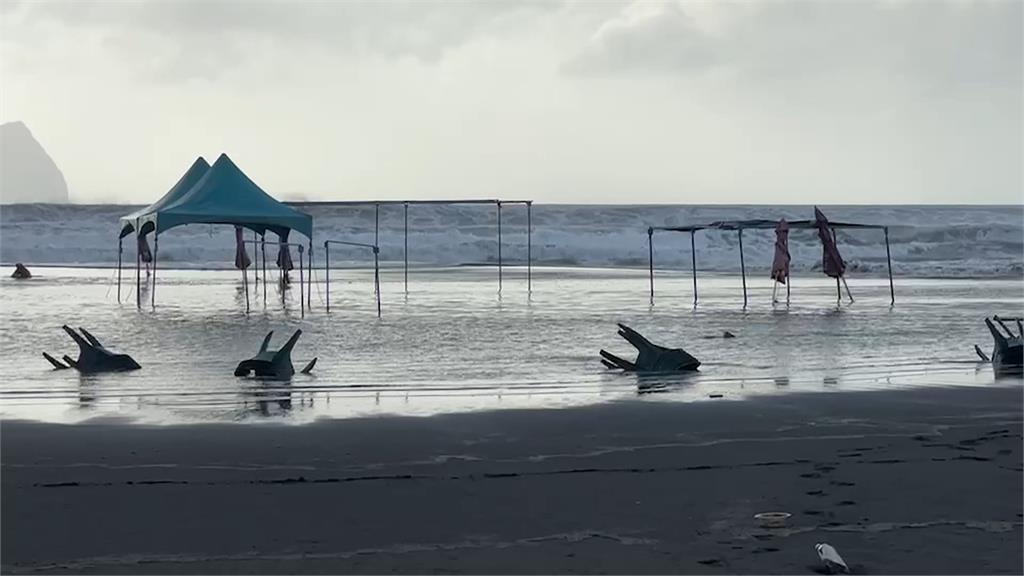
[20, 272]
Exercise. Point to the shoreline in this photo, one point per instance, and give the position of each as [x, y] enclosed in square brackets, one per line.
[629, 486]
[395, 265]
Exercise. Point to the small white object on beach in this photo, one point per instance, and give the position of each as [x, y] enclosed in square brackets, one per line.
[772, 519]
[831, 559]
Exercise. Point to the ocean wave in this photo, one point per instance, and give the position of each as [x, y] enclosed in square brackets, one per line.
[945, 241]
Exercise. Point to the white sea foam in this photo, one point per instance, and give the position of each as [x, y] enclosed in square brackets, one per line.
[945, 241]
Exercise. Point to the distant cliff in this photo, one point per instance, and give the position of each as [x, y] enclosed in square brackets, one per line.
[27, 173]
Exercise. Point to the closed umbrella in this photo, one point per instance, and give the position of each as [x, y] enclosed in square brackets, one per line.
[284, 261]
[831, 262]
[242, 261]
[144, 254]
[780, 264]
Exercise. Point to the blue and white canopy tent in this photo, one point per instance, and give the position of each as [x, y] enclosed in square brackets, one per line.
[218, 194]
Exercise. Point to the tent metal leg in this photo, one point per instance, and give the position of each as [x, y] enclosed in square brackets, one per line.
[156, 250]
[302, 294]
[263, 249]
[256, 267]
[650, 259]
[693, 264]
[529, 247]
[405, 254]
[327, 274]
[499, 246]
[839, 290]
[888, 259]
[138, 272]
[788, 282]
[743, 269]
[309, 279]
[245, 286]
[376, 276]
[120, 246]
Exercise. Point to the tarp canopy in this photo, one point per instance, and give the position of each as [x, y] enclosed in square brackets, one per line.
[222, 195]
[191, 177]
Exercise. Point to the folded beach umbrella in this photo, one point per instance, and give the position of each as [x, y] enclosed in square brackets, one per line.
[831, 261]
[284, 258]
[780, 265]
[144, 254]
[242, 261]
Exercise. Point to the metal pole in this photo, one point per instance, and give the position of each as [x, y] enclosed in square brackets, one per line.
[302, 296]
[263, 249]
[888, 259]
[245, 281]
[650, 258]
[499, 246]
[406, 253]
[376, 276]
[839, 290]
[156, 249]
[529, 247]
[282, 274]
[743, 269]
[327, 273]
[847, 286]
[376, 224]
[788, 282]
[256, 268]
[120, 245]
[309, 283]
[693, 264]
[138, 272]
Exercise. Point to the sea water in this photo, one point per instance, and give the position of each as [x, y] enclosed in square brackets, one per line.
[925, 241]
[453, 342]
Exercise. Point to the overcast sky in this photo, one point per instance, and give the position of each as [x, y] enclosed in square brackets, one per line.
[604, 102]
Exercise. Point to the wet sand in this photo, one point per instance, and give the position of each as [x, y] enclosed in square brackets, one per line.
[909, 481]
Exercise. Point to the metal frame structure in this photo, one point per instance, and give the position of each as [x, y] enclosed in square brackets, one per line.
[739, 226]
[327, 268]
[304, 297]
[305, 301]
[406, 203]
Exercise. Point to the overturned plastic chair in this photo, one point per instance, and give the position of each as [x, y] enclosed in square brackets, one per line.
[1008, 349]
[274, 364]
[92, 356]
[651, 357]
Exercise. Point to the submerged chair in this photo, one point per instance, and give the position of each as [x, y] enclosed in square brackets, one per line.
[1008, 350]
[275, 364]
[92, 356]
[651, 357]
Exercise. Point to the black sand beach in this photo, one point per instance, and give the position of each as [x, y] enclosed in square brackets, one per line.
[910, 481]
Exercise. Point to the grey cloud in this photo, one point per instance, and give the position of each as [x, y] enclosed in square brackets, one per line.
[196, 39]
[665, 39]
[935, 42]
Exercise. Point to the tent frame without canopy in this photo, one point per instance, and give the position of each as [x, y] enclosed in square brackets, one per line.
[498, 203]
[218, 194]
[739, 226]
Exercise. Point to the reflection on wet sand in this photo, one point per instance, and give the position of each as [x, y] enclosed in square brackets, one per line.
[265, 397]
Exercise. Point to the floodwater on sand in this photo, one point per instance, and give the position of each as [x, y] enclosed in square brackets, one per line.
[454, 344]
